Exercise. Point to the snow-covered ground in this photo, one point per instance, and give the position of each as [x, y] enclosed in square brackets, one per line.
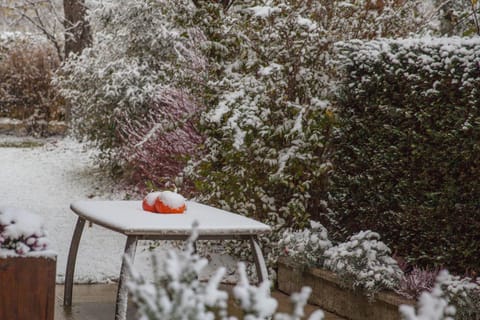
[45, 180]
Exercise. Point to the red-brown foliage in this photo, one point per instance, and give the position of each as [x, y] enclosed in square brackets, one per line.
[158, 147]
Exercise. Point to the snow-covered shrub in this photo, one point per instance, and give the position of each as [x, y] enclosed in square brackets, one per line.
[431, 305]
[139, 51]
[307, 247]
[176, 292]
[452, 297]
[407, 156]
[463, 294]
[267, 136]
[27, 65]
[268, 121]
[21, 232]
[364, 262]
[268, 127]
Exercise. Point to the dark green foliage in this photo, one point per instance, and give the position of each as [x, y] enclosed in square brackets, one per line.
[408, 148]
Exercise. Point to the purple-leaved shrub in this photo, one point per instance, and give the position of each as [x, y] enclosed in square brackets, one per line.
[416, 281]
[158, 146]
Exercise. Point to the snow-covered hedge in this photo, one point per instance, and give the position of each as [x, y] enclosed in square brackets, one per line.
[21, 232]
[407, 152]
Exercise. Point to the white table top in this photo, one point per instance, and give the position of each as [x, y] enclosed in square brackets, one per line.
[129, 218]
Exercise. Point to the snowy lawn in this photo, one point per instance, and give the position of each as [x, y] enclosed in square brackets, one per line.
[46, 179]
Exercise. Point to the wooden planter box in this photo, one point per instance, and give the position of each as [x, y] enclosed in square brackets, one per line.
[27, 288]
[330, 296]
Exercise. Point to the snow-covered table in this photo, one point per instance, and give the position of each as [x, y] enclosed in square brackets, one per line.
[128, 218]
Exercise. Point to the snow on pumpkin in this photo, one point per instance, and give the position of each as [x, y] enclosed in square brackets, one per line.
[21, 232]
[164, 202]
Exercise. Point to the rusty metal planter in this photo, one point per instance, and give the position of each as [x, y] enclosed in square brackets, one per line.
[27, 287]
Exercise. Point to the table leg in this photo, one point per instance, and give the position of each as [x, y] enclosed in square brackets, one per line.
[72, 258]
[122, 291]
[262, 272]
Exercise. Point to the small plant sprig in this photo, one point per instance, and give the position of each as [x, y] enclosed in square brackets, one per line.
[176, 292]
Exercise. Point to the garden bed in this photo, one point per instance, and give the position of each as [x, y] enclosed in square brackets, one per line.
[332, 297]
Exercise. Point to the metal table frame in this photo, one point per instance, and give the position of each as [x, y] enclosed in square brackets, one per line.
[130, 248]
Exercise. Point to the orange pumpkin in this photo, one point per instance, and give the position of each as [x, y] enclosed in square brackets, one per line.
[164, 202]
[148, 203]
[161, 207]
[147, 207]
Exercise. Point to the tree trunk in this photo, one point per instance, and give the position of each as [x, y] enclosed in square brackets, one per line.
[77, 30]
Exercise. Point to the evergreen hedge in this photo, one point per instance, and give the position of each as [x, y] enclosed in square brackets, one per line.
[407, 160]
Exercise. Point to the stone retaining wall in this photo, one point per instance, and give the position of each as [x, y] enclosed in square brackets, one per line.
[330, 296]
